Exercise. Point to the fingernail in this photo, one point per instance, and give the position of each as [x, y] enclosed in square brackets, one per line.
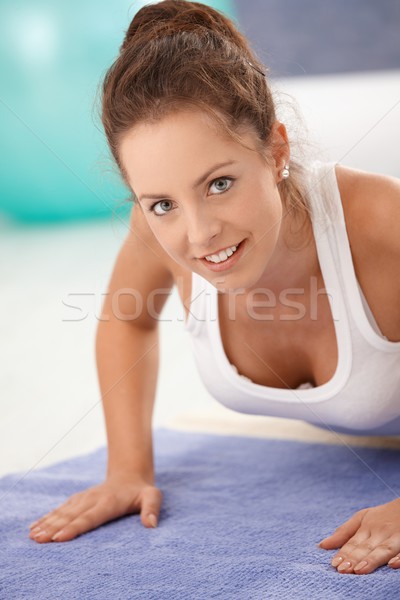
[344, 566]
[336, 561]
[56, 535]
[33, 524]
[36, 530]
[39, 534]
[153, 520]
[393, 560]
[360, 565]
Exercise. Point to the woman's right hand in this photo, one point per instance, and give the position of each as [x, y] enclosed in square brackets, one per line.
[86, 510]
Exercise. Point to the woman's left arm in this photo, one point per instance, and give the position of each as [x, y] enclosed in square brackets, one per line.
[371, 537]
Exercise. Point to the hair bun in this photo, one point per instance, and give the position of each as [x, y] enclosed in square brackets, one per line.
[173, 16]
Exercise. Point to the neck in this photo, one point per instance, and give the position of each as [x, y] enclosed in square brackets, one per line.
[295, 258]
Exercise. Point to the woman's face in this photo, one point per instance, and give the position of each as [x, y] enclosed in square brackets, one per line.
[202, 193]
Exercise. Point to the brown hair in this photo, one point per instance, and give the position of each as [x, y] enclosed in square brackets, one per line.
[179, 54]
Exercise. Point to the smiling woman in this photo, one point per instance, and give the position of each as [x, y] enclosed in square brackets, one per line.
[223, 211]
[206, 204]
[202, 63]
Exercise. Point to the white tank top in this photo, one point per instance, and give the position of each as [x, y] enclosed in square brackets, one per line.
[363, 396]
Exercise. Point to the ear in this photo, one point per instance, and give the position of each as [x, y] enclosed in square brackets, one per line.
[280, 149]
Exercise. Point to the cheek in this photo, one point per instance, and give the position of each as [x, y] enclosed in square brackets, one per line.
[161, 233]
[170, 240]
[266, 211]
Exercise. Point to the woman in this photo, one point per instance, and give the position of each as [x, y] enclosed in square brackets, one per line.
[285, 319]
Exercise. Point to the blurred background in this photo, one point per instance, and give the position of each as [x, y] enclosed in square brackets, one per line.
[335, 71]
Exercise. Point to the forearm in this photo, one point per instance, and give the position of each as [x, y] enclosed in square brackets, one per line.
[127, 361]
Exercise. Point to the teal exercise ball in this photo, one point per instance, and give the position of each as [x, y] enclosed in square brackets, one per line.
[55, 163]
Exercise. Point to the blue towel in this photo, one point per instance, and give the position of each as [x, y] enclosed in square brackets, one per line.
[240, 520]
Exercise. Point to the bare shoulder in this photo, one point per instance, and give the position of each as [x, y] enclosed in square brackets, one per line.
[371, 203]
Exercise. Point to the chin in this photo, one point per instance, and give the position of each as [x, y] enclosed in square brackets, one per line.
[234, 282]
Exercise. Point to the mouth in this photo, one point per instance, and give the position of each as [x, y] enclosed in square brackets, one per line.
[224, 259]
[225, 252]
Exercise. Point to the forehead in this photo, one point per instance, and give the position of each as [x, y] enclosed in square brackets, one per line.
[186, 141]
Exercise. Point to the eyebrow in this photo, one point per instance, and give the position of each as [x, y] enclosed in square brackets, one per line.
[196, 184]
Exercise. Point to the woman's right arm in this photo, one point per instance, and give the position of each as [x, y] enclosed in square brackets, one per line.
[127, 354]
[127, 349]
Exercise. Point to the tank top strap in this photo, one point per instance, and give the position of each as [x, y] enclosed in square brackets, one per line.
[329, 220]
[323, 196]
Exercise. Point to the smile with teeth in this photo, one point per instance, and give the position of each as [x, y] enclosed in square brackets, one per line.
[223, 255]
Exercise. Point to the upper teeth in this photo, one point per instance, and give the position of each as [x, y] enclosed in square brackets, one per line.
[221, 256]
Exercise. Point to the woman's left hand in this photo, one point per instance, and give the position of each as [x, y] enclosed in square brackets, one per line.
[370, 539]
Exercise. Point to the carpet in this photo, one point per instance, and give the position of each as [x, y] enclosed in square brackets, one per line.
[241, 518]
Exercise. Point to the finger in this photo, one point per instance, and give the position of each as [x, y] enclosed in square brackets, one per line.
[63, 510]
[42, 526]
[70, 501]
[377, 557]
[34, 523]
[151, 505]
[343, 533]
[40, 520]
[57, 520]
[86, 521]
[394, 562]
[352, 555]
[355, 549]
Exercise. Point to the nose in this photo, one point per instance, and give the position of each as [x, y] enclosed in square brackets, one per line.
[201, 230]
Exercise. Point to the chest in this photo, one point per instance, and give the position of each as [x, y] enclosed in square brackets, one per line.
[283, 347]
[280, 347]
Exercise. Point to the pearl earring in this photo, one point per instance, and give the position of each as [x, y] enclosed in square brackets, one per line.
[285, 172]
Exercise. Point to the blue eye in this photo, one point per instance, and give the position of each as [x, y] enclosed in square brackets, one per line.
[227, 183]
[162, 203]
[163, 207]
